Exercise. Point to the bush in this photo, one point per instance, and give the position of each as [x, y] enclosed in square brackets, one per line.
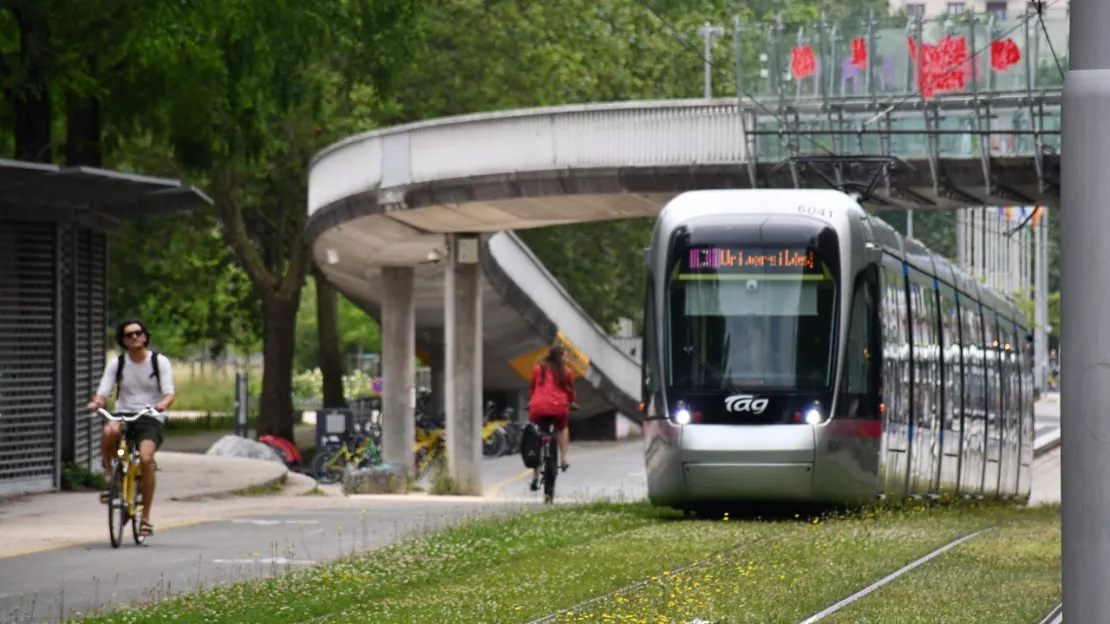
[76, 478]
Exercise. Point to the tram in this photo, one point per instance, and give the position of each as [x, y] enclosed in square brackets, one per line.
[798, 349]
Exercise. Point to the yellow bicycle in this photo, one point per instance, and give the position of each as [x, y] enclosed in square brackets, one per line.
[431, 445]
[124, 501]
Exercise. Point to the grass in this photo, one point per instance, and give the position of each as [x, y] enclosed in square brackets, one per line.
[77, 478]
[203, 393]
[1008, 575]
[264, 489]
[519, 568]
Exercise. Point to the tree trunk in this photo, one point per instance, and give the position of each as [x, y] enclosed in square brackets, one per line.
[327, 322]
[34, 112]
[83, 137]
[276, 404]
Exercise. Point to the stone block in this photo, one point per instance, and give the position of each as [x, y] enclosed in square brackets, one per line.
[383, 479]
[236, 446]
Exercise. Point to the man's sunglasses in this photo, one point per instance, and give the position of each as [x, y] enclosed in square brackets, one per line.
[134, 334]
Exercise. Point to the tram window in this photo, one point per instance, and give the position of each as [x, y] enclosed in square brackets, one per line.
[857, 377]
[759, 325]
[649, 351]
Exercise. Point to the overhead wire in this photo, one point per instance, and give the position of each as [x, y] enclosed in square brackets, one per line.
[1040, 8]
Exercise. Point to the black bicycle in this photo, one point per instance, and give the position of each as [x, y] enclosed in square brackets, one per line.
[549, 456]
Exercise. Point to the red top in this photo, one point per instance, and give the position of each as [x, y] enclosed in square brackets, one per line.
[548, 399]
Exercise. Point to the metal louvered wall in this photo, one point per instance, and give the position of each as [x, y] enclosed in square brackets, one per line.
[90, 319]
[28, 356]
[53, 315]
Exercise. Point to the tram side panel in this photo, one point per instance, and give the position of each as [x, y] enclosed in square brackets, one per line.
[847, 465]
[1025, 482]
[1013, 430]
[662, 438]
[971, 474]
[992, 471]
[951, 430]
[924, 429]
[896, 380]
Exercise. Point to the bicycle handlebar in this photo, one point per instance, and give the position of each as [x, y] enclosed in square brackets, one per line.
[146, 411]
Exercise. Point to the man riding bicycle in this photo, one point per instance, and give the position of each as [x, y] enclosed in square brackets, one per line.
[142, 378]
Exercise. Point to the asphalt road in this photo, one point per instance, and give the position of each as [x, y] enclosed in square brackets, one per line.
[31, 586]
[296, 531]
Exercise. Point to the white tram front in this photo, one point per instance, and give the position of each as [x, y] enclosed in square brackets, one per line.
[797, 349]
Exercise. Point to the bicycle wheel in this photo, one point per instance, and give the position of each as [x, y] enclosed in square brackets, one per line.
[550, 469]
[117, 511]
[494, 445]
[137, 519]
[327, 467]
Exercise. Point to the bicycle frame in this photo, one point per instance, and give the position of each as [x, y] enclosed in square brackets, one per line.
[127, 461]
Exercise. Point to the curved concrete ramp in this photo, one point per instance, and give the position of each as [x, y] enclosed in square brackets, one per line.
[528, 287]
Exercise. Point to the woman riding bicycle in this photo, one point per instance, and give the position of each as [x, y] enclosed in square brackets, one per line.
[552, 397]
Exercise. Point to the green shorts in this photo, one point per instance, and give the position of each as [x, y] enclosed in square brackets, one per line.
[146, 429]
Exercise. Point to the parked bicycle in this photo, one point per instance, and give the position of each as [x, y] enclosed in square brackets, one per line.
[431, 444]
[358, 449]
[124, 500]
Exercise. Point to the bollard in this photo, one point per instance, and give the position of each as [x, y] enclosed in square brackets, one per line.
[241, 406]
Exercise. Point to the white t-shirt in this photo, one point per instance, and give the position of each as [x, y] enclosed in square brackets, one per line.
[139, 387]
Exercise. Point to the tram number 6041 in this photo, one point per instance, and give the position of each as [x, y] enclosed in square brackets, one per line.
[815, 211]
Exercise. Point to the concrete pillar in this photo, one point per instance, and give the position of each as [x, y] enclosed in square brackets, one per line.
[398, 367]
[463, 338]
[520, 400]
[439, 375]
[1085, 293]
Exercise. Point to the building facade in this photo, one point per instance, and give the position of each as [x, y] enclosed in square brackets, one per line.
[54, 326]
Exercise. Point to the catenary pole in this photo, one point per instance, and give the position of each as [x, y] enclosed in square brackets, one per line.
[1084, 220]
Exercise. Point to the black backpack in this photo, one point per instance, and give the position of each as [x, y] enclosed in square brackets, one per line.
[153, 361]
[530, 446]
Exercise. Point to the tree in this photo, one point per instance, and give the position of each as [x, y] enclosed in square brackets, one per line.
[281, 80]
[327, 317]
[358, 333]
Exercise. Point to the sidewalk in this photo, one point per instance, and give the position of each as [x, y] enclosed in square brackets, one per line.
[186, 492]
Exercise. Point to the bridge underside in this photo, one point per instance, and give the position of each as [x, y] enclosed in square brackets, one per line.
[540, 198]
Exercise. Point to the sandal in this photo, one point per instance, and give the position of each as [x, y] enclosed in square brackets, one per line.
[105, 495]
[146, 529]
[564, 467]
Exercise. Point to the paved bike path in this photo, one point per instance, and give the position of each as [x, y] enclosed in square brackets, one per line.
[38, 521]
[75, 580]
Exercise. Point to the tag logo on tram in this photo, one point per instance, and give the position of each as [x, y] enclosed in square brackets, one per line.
[745, 403]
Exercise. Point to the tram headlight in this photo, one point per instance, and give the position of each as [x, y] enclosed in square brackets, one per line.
[813, 416]
[682, 413]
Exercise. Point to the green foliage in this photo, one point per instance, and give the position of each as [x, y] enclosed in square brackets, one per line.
[600, 265]
[177, 274]
[358, 332]
[76, 478]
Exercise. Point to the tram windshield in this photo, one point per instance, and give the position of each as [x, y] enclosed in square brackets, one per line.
[749, 317]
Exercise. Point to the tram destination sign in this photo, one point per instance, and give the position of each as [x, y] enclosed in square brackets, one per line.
[750, 259]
